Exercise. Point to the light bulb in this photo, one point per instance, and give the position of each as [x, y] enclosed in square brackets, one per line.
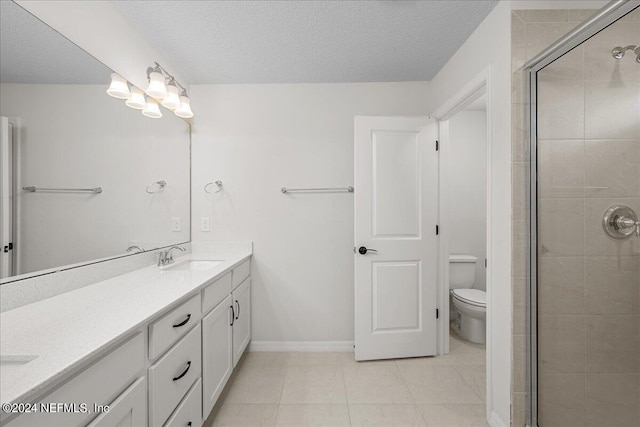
[172, 101]
[136, 100]
[152, 110]
[184, 110]
[118, 87]
[156, 87]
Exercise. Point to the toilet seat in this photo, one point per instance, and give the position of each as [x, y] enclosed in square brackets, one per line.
[475, 297]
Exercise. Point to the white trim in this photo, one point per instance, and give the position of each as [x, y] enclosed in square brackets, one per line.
[471, 91]
[322, 346]
[443, 248]
[496, 421]
[478, 86]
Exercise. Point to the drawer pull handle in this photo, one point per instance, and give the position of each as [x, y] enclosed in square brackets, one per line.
[183, 373]
[233, 317]
[184, 322]
[238, 314]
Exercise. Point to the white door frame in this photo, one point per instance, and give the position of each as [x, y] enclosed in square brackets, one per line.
[474, 89]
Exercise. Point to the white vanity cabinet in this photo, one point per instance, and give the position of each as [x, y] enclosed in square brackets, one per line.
[128, 410]
[242, 319]
[105, 382]
[167, 371]
[217, 357]
[226, 331]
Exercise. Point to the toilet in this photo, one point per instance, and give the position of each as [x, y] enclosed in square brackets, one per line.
[470, 304]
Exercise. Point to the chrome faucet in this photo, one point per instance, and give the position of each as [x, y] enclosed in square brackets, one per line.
[166, 257]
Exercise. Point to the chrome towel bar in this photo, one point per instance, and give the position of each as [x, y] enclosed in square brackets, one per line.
[317, 190]
[32, 189]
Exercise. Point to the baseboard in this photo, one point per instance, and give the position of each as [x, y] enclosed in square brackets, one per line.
[323, 346]
[496, 421]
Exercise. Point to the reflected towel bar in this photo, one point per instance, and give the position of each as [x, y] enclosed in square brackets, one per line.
[317, 190]
[64, 190]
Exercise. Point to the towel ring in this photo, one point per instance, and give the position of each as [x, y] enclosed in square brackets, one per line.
[218, 183]
[156, 187]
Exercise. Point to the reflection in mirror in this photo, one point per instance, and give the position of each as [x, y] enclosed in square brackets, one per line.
[76, 163]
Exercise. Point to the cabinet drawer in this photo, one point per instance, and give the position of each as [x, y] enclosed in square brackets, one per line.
[216, 292]
[241, 272]
[128, 410]
[98, 384]
[173, 325]
[189, 412]
[172, 375]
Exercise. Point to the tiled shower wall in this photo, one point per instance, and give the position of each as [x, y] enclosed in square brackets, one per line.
[589, 284]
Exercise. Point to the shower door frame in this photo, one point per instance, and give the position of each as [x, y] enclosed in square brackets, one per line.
[606, 16]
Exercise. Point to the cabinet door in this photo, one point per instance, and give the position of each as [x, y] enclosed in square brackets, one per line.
[242, 322]
[217, 362]
[128, 410]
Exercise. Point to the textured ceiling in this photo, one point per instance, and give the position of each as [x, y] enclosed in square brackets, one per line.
[306, 41]
[32, 52]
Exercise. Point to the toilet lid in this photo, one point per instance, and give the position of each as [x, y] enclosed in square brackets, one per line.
[471, 296]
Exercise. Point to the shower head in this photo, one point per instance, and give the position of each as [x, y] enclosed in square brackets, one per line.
[619, 51]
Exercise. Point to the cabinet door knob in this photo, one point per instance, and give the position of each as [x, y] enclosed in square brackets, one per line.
[184, 322]
[183, 372]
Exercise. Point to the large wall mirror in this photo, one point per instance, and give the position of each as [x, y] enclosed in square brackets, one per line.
[79, 169]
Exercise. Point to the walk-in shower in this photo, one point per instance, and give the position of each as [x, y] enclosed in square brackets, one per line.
[584, 232]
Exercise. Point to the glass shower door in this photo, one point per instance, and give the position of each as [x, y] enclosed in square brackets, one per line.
[588, 268]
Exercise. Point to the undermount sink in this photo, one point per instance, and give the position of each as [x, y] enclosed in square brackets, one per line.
[193, 265]
[8, 363]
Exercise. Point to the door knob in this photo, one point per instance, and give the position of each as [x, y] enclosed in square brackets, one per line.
[363, 250]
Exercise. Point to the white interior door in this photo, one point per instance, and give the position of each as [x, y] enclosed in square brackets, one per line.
[396, 205]
[6, 198]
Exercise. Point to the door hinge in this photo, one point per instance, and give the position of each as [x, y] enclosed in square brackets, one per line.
[437, 145]
[437, 313]
[437, 230]
[8, 247]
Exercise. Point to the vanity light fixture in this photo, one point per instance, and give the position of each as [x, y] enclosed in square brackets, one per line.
[156, 87]
[172, 101]
[160, 79]
[184, 110]
[136, 100]
[152, 110]
[118, 87]
[163, 87]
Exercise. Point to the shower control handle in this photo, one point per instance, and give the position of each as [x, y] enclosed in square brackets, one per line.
[620, 222]
[623, 223]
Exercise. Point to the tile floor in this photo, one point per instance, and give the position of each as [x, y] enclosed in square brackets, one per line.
[333, 390]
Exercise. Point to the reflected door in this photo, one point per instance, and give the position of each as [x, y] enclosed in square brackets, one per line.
[396, 199]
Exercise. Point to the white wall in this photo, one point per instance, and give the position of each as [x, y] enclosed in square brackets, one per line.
[468, 188]
[489, 47]
[76, 136]
[259, 138]
[98, 28]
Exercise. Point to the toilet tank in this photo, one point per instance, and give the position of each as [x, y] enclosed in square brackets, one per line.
[462, 271]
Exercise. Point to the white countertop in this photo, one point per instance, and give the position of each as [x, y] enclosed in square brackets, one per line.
[67, 330]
